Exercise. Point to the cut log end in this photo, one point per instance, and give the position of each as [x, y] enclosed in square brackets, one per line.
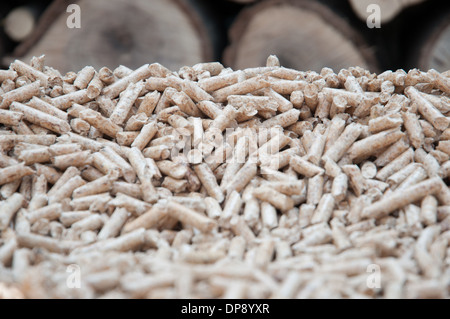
[120, 32]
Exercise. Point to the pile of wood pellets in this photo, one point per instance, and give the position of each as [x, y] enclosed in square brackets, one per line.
[207, 182]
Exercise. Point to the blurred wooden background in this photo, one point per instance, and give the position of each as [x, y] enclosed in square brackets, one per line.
[304, 34]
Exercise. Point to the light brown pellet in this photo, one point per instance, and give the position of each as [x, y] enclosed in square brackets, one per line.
[40, 118]
[33, 74]
[209, 181]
